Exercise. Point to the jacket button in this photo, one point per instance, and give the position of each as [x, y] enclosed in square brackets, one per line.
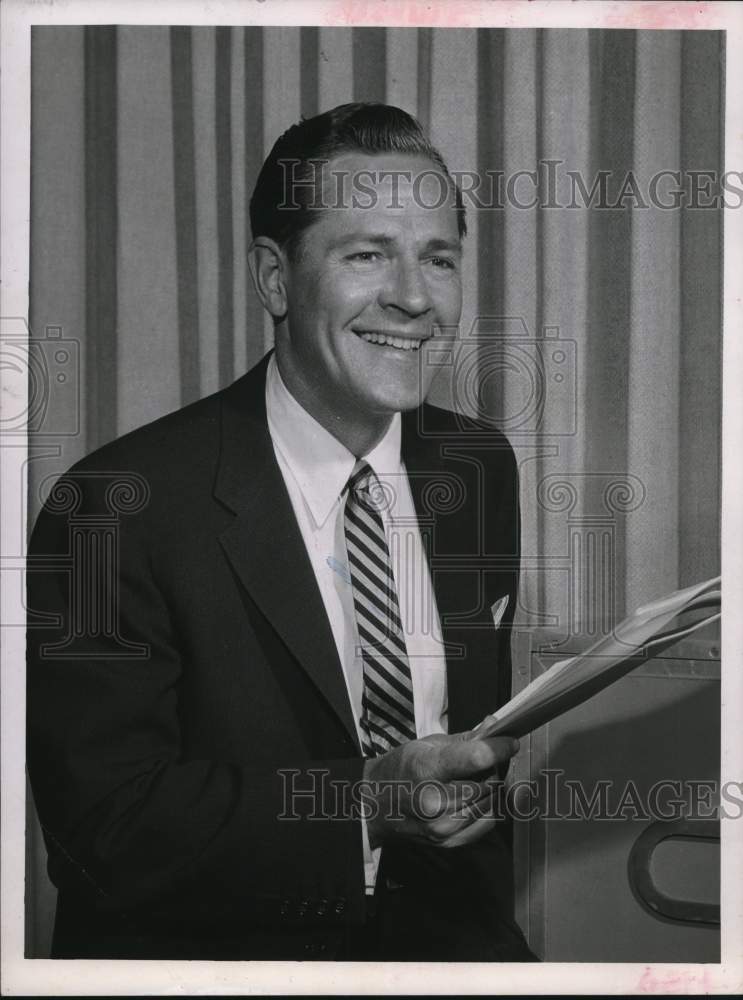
[340, 905]
[322, 908]
[302, 907]
[284, 907]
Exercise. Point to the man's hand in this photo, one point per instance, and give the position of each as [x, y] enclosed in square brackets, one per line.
[434, 789]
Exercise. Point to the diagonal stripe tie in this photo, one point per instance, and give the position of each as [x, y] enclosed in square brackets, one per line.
[387, 714]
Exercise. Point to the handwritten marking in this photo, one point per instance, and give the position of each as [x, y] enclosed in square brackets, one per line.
[339, 568]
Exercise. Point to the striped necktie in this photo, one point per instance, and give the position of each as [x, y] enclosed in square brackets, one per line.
[387, 713]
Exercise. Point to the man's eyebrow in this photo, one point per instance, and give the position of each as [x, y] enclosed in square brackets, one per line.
[379, 239]
[437, 243]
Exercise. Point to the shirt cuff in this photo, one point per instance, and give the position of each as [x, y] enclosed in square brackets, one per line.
[371, 860]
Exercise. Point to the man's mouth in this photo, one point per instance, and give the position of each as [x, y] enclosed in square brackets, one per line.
[402, 343]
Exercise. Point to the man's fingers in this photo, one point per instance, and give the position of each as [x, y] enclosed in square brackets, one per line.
[469, 833]
[451, 830]
[480, 804]
[434, 799]
[465, 792]
[463, 758]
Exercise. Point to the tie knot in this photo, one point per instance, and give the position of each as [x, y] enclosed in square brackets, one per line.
[366, 489]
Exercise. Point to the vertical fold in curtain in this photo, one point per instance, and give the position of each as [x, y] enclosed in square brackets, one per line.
[402, 70]
[335, 67]
[564, 141]
[521, 305]
[101, 233]
[254, 131]
[240, 276]
[700, 363]
[308, 71]
[370, 65]
[184, 180]
[148, 345]
[452, 126]
[606, 356]
[60, 227]
[491, 245]
[425, 70]
[281, 93]
[205, 168]
[225, 239]
[653, 398]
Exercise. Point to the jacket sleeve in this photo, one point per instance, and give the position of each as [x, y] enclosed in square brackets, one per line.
[130, 824]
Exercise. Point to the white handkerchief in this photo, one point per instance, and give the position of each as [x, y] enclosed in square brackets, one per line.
[499, 609]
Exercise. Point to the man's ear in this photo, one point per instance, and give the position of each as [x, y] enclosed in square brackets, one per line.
[267, 262]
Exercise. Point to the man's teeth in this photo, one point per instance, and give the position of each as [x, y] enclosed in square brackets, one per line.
[404, 343]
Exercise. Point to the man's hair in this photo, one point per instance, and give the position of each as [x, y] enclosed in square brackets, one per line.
[282, 203]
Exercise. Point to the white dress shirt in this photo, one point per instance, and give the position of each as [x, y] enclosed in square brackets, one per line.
[316, 467]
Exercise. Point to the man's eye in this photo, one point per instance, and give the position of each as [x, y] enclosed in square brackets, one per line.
[365, 256]
[443, 262]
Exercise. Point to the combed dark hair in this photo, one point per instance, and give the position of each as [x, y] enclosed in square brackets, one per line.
[372, 128]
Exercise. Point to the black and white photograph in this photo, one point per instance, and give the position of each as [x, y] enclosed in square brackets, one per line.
[367, 506]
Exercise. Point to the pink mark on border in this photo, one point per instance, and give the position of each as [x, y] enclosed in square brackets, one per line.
[666, 981]
[505, 13]
[408, 13]
[661, 15]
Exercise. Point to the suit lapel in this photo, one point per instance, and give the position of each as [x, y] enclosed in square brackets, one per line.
[264, 543]
[265, 548]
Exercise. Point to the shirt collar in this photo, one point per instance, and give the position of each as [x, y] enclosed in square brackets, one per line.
[319, 463]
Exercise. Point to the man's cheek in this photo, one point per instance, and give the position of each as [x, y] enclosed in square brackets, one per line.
[448, 305]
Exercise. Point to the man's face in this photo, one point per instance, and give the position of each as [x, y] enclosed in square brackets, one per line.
[369, 286]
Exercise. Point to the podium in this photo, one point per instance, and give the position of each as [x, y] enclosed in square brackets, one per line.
[618, 860]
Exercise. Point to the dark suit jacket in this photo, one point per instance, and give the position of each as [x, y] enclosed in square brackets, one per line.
[180, 658]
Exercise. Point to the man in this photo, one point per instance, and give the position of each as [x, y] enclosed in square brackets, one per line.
[255, 759]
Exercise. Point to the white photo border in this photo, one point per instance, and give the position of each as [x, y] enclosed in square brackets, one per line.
[22, 976]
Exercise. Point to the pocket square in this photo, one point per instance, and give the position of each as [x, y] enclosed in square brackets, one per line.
[499, 609]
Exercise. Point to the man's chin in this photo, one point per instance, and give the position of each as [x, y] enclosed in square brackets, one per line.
[385, 392]
[397, 402]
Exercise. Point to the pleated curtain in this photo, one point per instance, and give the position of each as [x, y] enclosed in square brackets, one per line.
[591, 336]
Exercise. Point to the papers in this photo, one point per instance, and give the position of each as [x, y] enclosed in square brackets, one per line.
[645, 633]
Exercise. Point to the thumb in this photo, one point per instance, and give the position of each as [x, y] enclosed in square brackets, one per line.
[464, 758]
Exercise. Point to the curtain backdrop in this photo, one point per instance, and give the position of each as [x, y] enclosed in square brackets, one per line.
[600, 346]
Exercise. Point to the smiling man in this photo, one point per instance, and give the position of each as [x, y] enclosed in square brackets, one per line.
[264, 756]
[357, 295]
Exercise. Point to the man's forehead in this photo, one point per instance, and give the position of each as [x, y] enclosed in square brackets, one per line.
[381, 193]
[400, 174]
[387, 162]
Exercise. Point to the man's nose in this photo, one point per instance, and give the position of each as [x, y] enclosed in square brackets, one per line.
[406, 289]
